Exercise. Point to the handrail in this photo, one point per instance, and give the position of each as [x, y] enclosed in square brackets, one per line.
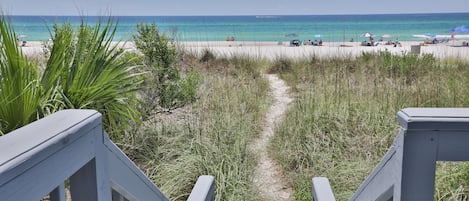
[407, 171]
[37, 159]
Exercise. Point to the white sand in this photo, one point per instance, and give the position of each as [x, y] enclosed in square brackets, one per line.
[272, 50]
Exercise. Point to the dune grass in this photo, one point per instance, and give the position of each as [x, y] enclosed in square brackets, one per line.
[209, 136]
[344, 117]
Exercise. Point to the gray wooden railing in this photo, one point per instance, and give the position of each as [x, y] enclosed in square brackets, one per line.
[70, 148]
[407, 171]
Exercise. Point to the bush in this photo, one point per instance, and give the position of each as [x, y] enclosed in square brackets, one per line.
[163, 85]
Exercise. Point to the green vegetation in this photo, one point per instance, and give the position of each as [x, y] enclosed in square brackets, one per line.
[83, 71]
[343, 119]
[209, 136]
[163, 87]
[18, 83]
[87, 71]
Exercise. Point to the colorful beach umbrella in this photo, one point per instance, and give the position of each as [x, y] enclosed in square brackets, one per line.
[366, 35]
[460, 29]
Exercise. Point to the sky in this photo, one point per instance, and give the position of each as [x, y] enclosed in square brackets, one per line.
[227, 7]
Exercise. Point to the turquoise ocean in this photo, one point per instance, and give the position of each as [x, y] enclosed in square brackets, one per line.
[333, 28]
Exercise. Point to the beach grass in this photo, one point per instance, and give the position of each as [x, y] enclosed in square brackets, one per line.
[341, 123]
[344, 117]
[210, 136]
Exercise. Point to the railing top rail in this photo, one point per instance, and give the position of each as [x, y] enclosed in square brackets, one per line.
[434, 118]
[39, 139]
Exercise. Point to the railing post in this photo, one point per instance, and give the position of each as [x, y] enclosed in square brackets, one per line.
[204, 189]
[85, 184]
[407, 171]
[92, 182]
[432, 134]
[322, 190]
[419, 165]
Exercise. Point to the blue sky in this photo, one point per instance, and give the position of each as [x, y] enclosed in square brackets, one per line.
[228, 7]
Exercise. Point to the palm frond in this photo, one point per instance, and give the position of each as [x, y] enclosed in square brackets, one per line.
[93, 75]
[18, 82]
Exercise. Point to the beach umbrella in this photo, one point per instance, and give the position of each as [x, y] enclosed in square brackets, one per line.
[366, 35]
[291, 35]
[460, 29]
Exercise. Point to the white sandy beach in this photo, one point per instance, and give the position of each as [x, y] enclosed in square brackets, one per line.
[272, 50]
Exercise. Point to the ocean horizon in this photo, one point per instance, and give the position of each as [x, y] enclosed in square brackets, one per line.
[330, 28]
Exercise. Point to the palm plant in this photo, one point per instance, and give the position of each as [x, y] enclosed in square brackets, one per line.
[19, 88]
[84, 71]
[90, 74]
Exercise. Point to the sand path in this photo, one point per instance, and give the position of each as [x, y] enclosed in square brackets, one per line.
[269, 179]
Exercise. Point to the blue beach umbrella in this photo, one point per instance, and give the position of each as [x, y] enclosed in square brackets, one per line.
[460, 29]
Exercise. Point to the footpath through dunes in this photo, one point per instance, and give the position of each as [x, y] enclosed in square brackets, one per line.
[268, 177]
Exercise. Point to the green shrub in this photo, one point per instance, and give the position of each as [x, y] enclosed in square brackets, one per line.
[163, 86]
